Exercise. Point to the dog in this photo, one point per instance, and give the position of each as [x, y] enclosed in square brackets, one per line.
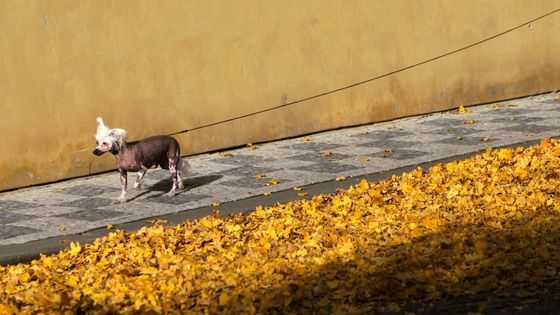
[139, 156]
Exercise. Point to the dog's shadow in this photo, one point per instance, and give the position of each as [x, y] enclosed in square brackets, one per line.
[164, 185]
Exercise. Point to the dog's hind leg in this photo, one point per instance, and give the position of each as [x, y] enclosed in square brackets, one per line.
[122, 197]
[180, 184]
[174, 176]
[140, 177]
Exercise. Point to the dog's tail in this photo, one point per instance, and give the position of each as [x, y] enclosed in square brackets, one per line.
[184, 167]
[184, 170]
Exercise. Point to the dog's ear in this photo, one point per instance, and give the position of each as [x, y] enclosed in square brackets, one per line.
[100, 121]
[117, 133]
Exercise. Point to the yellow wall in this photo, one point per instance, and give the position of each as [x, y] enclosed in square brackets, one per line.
[156, 67]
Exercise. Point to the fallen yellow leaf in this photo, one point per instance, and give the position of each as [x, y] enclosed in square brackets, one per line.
[271, 182]
[251, 146]
[75, 248]
[463, 110]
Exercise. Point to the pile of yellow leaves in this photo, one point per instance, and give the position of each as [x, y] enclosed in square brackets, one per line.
[490, 222]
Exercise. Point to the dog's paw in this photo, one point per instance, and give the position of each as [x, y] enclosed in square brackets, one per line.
[121, 199]
[137, 186]
[171, 194]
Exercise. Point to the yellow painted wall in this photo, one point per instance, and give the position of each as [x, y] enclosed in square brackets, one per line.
[157, 67]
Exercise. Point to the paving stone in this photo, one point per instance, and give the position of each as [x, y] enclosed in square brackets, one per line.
[46, 224]
[513, 111]
[331, 168]
[249, 182]
[240, 160]
[88, 203]
[400, 154]
[512, 120]
[385, 134]
[531, 128]
[42, 197]
[88, 190]
[9, 216]
[91, 215]
[14, 204]
[246, 171]
[457, 131]
[388, 143]
[46, 211]
[468, 140]
[312, 145]
[177, 199]
[319, 157]
[9, 231]
[550, 101]
[194, 182]
[444, 122]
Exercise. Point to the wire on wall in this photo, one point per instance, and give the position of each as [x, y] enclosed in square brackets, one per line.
[371, 79]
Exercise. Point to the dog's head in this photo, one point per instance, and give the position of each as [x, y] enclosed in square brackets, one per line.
[108, 140]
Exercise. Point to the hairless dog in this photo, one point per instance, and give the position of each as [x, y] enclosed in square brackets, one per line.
[139, 156]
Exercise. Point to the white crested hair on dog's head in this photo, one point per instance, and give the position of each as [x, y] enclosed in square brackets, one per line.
[104, 131]
[109, 137]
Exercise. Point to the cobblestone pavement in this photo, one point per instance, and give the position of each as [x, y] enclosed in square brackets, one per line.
[84, 204]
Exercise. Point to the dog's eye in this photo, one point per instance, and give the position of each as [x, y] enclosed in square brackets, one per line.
[96, 142]
[105, 143]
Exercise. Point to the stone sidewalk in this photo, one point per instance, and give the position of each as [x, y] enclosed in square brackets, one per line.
[76, 206]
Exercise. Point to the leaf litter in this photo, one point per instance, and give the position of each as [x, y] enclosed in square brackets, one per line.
[488, 223]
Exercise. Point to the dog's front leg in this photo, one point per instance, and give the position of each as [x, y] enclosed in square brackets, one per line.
[122, 197]
[140, 177]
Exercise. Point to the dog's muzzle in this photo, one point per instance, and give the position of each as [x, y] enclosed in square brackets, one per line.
[97, 152]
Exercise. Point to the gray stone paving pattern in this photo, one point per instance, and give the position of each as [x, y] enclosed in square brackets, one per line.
[84, 204]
